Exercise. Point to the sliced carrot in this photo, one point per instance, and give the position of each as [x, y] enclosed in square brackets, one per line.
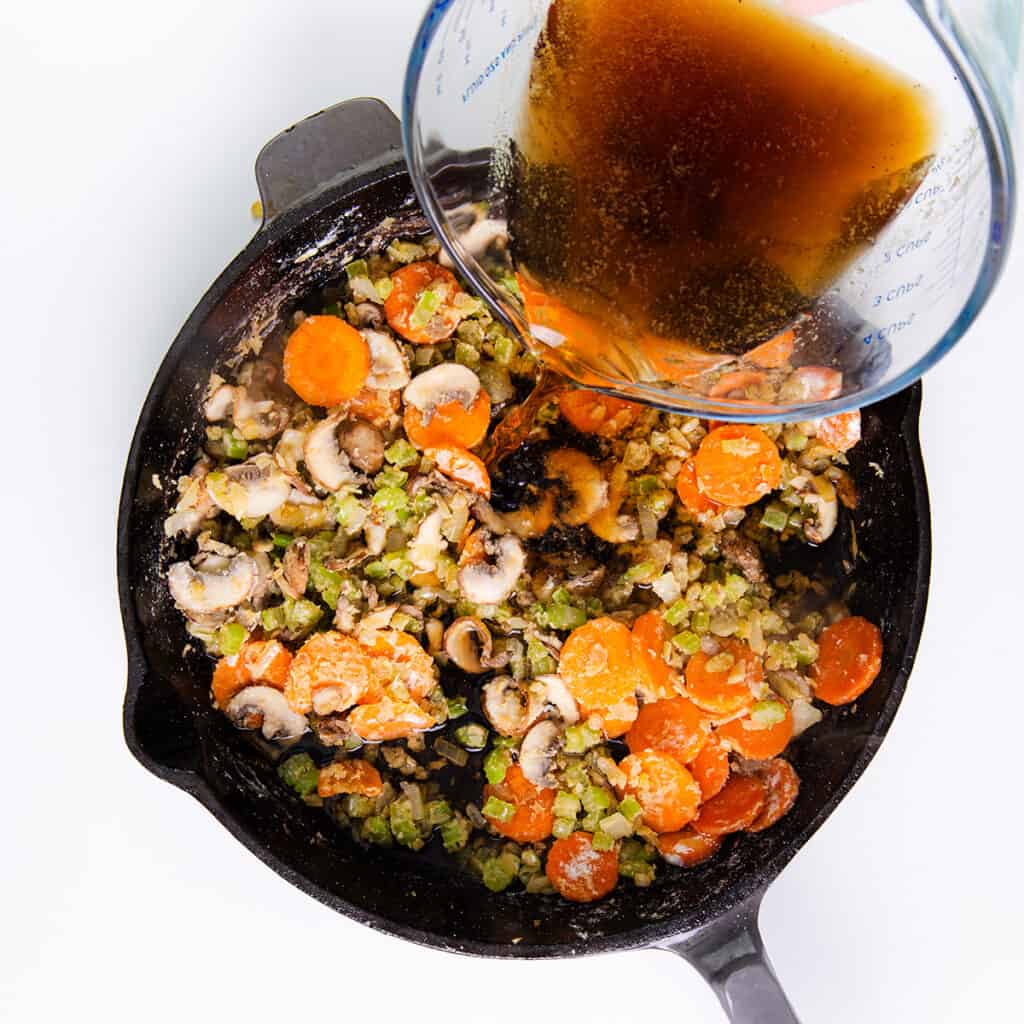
[374, 406]
[783, 787]
[757, 742]
[649, 635]
[399, 657]
[696, 502]
[688, 848]
[734, 809]
[356, 776]
[737, 465]
[592, 412]
[534, 814]
[773, 353]
[849, 660]
[533, 520]
[259, 661]
[740, 384]
[677, 361]
[463, 467]
[578, 871]
[676, 727]
[389, 719]
[450, 424]
[326, 360]
[812, 384]
[663, 788]
[328, 660]
[597, 666]
[841, 431]
[710, 768]
[727, 682]
[408, 287]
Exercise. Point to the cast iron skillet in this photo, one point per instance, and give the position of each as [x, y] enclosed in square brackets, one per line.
[315, 218]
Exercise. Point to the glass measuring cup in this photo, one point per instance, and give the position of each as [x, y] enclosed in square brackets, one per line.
[888, 318]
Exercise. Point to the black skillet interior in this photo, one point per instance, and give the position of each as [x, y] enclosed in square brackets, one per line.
[173, 731]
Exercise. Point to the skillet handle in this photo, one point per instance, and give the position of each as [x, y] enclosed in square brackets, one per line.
[339, 143]
[730, 956]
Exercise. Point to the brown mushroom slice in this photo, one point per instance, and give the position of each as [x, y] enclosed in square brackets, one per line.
[328, 465]
[264, 708]
[449, 382]
[389, 370]
[538, 751]
[586, 488]
[467, 642]
[219, 585]
[251, 489]
[295, 568]
[363, 443]
[510, 706]
[556, 694]
[607, 523]
[820, 498]
[486, 583]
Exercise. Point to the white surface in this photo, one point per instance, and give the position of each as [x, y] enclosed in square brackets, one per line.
[129, 136]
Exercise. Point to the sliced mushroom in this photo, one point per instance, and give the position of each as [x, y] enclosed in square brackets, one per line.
[805, 714]
[264, 708]
[288, 451]
[467, 641]
[478, 238]
[389, 370]
[369, 314]
[743, 553]
[538, 752]
[328, 465]
[251, 489]
[586, 488]
[258, 420]
[220, 404]
[812, 384]
[193, 507]
[295, 569]
[220, 584]
[556, 694]
[820, 498]
[485, 583]
[511, 707]
[449, 382]
[363, 443]
[428, 543]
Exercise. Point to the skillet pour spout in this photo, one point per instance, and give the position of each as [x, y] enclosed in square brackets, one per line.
[330, 187]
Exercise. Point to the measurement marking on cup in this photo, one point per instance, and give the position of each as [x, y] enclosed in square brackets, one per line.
[889, 329]
[498, 60]
[907, 248]
[900, 291]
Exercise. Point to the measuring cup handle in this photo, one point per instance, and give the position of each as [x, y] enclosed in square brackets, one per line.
[324, 149]
[730, 956]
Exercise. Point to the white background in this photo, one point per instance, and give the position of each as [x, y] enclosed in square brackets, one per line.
[129, 132]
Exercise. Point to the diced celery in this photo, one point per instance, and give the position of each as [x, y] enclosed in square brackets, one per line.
[426, 306]
[775, 517]
[466, 355]
[659, 502]
[455, 833]
[299, 773]
[230, 637]
[358, 806]
[804, 649]
[596, 798]
[687, 642]
[617, 825]
[391, 477]
[541, 661]
[235, 447]
[350, 513]
[282, 540]
[602, 841]
[677, 613]
[273, 619]
[563, 828]
[437, 812]
[457, 707]
[376, 571]
[795, 440]
[566, 805]
[505, 349]
[302, 615]
[700, 622]
[766, 713]
[580, 738]
[735, 586]
[401, 454]
[376, 830]
[403, 826]
[327, 583]
[500, 872]
[472, 736]
[630, 808]
[393, 502]
[357, 268]
[560, 595]
[499, 810]
[564, 616]
[384, 286]
[640, 573]
[496, 764]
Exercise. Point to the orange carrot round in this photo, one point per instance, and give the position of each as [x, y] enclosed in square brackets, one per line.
[676, 727]
[534, 808]
[328, 660]
[755, 741]
[841, 431]
[688, 848]
[737, 465]
[727, 682]
[578, 871]
[389, 719]
[849, 660]
[592, 412]
[450, 424]
[734, 809]
[663, 788]
[782, 785]
[463, 467]
[649, 634]
[773, 353]
[710, 768]
[694, 500]
[259, 661]
[408, 287]
[326, 361]
[597, 666]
